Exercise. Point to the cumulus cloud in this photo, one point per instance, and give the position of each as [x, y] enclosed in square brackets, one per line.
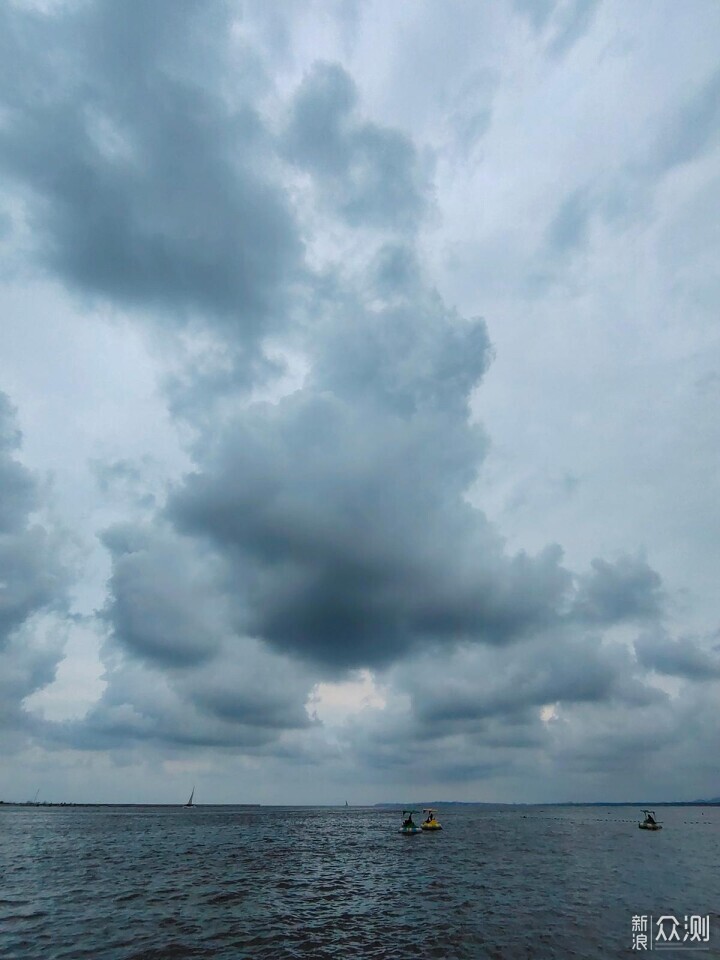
[146, 183]
[178, 669]
[678, 657]
[244, 699]
[559, 669]
[506, 714]
[33, 580]
[341, 508]
[31, 576]
[369, 175]
[335, 522]
[326, 527]
[624, 591]
[28, 662]
[163, 606]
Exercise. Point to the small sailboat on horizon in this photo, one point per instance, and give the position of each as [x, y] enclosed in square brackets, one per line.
[190, 801]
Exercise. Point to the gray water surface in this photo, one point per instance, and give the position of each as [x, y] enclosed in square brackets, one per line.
[113, 883]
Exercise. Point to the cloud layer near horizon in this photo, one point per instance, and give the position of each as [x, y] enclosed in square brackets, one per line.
[268, 243]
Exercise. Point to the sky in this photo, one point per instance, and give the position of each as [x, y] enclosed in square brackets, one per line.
[359, 400]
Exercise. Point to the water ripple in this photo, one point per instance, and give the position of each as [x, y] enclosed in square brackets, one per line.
[299, 884]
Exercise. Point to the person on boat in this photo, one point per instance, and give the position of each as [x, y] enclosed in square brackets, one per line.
[429, 818]
[409, 822]
[649, 818]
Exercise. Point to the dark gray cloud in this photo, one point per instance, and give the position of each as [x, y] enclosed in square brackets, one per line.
[481, 711]
[131, 131]
[418, 747]
[162, 604]
[405, 353]
[508, 714]
[245, 698]
[177, 669]
[31, 575]
[626, 590]
[33, 581]
[19, 490]
[253, 688]
[349, 540]
[369, 174]
[328, 529]
[682, 657]
[341, 511]
[590, 743]
[659, 749]
[29, 659]
[338, 514]
[558, 670]
[343, 521]
[606, 737]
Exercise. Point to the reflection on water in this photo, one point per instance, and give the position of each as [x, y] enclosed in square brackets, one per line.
[275, 883]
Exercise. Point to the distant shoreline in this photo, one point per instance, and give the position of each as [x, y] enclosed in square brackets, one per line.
[436, 804]
[163, 806]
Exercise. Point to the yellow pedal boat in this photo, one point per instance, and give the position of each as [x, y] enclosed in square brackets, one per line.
[431, 822]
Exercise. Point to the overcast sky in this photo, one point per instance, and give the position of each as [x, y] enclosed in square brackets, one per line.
[359, 400]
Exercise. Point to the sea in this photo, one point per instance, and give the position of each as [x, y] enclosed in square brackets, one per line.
[279, 883]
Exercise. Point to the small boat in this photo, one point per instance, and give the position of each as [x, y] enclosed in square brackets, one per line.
[650, 823]
[409, 826]
[190, 801]
[430, 822]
